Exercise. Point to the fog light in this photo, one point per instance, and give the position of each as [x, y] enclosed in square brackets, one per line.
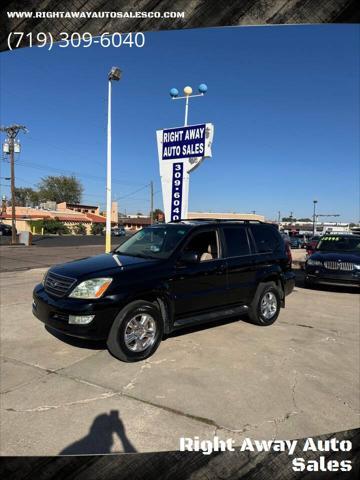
[80, 319]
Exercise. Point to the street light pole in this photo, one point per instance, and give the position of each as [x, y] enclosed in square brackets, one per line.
[115, 74]
[108, 176]
[174, 93]
[314, 217]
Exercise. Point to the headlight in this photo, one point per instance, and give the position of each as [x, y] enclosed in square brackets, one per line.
[93, 288]
[356, 267]
[317, 263]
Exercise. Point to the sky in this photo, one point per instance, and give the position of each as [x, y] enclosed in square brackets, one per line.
[284, 101]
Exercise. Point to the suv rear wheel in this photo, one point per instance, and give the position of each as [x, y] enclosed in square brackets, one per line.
[265, 307]
[136, 332]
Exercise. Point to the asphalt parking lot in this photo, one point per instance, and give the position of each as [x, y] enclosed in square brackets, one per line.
[51, 249]
[297, 378]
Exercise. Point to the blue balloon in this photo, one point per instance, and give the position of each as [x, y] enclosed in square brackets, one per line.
[174, 92]
[202, 88]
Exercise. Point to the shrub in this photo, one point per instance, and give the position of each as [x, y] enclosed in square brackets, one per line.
[50, 226]
[97, 228]
[80, 229]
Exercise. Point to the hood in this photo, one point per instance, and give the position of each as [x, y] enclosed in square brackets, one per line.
[335, 256]
[102, 265]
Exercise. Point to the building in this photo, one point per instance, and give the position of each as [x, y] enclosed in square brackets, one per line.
[134, 223]
[69, 214]
[306, 228]
[224, 216]
[77, 207]
[137, 222]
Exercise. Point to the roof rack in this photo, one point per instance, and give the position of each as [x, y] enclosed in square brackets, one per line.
[217, 220]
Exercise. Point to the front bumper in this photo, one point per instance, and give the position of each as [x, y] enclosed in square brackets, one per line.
[55, 314]
[320, 275]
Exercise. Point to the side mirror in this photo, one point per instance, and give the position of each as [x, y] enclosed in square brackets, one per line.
[188, 258]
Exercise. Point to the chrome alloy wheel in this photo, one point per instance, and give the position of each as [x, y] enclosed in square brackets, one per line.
[140, 332]
[268, 305]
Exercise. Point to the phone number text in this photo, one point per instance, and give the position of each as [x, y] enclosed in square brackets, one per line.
[75, 40]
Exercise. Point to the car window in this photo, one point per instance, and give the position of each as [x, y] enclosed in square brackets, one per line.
[236, 241]
[153, 242]
[266, 238]
[205, 245]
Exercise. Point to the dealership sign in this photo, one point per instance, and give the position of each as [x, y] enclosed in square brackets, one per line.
[180, 151]
[185, 142]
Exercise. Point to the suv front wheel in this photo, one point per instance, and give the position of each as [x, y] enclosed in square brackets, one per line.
[136, 332]
[265, 307]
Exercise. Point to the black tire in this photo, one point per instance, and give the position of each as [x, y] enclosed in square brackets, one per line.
[255, 312]
[116, 340]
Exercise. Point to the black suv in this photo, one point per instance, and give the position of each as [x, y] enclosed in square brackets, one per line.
[165, 277]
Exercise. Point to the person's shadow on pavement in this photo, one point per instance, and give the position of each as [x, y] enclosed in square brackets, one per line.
[99, 440]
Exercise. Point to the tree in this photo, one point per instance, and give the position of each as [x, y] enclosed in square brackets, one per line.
[80, 229]
[158, 214]
[304, 220]
[25, 196]
[288, 219]
[60, 189]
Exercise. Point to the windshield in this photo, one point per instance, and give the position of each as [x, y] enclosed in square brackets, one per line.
[153, 242]
[339, 243]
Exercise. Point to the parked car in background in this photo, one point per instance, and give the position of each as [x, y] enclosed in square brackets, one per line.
[118, 232]
[5, 229]
[295, 242]
[335, 261]
[166, 277]
[304, 239]
[311, 245]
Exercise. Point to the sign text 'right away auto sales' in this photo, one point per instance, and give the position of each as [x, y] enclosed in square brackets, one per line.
[184, 142]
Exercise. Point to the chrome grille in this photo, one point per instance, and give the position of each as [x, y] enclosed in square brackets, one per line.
[58, 285]
[345, 266]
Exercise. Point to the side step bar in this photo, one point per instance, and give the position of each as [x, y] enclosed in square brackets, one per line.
[211, 316]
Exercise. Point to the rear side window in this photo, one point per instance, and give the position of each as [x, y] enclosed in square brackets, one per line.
[236, 241]
[266, 238]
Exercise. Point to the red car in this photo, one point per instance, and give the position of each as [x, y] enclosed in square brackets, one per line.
[311, 245]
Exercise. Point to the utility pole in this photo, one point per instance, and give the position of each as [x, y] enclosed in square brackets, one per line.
[151, 201]
[12, 133]
[279, 217]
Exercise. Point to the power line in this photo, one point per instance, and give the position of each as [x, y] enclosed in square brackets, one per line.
[132, 193]
[41, 167]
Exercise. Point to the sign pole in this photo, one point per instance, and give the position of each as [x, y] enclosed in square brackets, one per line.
[181, 150]
[186, 110]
